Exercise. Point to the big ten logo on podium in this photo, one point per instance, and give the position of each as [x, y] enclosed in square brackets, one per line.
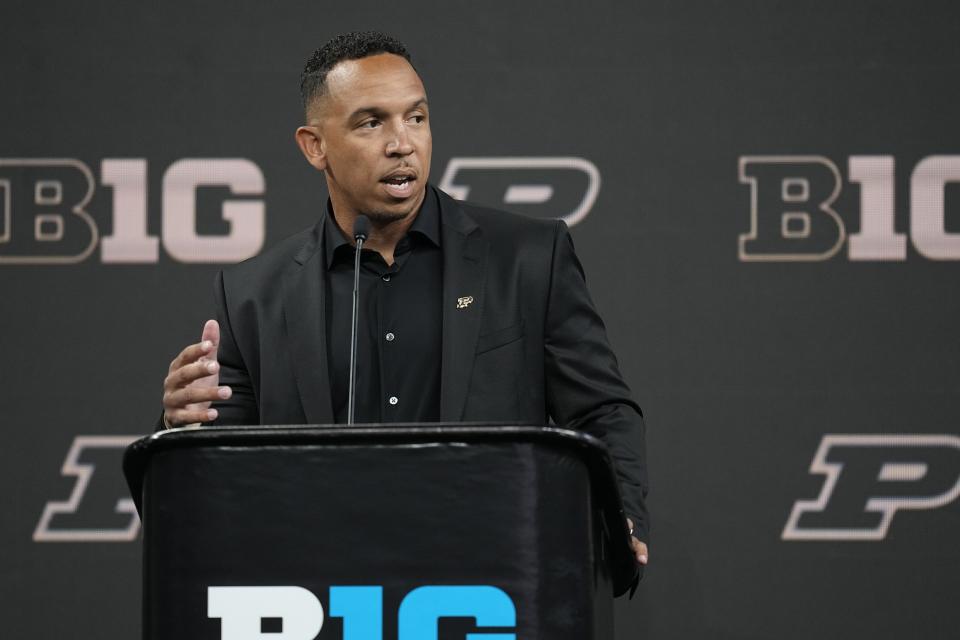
[295, 613]
[793, 216]
[44, 217]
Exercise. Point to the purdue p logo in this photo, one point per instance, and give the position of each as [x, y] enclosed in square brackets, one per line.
[549, 187]
[871, 477]
[98, 509]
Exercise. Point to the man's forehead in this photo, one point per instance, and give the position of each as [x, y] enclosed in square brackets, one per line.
[386, 75]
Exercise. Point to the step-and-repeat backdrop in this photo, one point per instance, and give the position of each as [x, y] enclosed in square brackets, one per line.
[765, 196]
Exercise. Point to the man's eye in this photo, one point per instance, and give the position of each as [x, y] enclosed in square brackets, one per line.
[370, 124]
[418, 119]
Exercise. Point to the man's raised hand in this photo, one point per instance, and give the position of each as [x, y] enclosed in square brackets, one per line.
[191, 383]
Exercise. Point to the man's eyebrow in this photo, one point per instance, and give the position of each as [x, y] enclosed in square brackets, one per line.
[378, 111]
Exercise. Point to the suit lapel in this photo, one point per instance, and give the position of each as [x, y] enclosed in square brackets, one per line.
[304, 311]
[464, 269]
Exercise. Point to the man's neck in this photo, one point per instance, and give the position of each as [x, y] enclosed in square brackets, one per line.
[384, 235]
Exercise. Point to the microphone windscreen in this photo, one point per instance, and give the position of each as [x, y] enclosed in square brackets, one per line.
[361, 228]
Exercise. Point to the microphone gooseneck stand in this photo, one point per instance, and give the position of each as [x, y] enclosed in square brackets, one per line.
[361, 230]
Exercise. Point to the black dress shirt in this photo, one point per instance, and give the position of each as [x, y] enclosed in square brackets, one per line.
[400, 326]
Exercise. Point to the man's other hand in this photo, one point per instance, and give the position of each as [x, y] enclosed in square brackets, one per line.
[191, 383]
[639, 548]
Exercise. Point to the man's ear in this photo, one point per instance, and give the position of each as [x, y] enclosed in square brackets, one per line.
[310, 140]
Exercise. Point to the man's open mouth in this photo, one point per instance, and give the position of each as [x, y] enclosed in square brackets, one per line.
[400, 183]
[400, 176]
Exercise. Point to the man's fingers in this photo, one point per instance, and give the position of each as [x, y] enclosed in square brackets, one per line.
[640, 550]
[180, 417]
[211, 332]
[209, 341]
[192, 354]
[191, 382]
[193, 395]
[192, 372]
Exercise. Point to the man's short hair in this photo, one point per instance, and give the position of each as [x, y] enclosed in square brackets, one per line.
[346, 46]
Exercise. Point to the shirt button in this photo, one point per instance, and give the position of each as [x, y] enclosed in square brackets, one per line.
[390, 337]
[385, 277]
[393, 400]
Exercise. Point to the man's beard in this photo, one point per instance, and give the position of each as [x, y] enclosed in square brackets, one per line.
[384, 217]
[381, 218]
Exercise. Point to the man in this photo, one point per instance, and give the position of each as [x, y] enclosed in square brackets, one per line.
[468, 314]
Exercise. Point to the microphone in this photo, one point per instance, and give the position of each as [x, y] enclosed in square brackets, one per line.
[361, 230]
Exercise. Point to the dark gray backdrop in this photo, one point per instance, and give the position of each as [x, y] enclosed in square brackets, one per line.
[743, 367]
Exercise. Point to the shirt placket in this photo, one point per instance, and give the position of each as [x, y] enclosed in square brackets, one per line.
[386, 342]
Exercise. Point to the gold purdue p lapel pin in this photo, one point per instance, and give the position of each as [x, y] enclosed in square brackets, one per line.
[464, 302]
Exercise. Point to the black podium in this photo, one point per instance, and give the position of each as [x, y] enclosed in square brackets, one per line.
[379, 532]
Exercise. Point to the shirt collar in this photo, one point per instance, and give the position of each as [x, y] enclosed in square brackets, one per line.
[426, 225]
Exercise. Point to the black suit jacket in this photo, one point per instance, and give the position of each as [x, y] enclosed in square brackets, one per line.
[521, 342]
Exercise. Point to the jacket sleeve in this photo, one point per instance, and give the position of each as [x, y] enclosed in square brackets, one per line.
[241, 407]
[584, 387]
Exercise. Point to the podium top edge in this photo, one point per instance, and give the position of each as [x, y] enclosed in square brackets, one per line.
[139, 453]
[393, 433]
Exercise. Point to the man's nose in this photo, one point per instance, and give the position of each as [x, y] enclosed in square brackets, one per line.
[399, 143]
